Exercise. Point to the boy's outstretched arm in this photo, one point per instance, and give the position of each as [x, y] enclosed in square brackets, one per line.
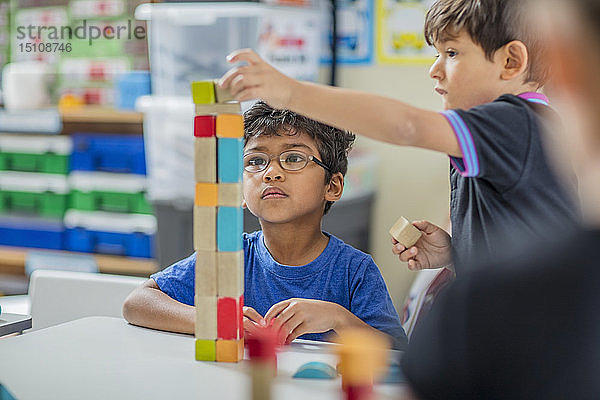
[150, 307]
[367, 114]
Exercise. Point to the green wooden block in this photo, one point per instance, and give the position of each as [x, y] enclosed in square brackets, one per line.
[203, 92]
[206, 350]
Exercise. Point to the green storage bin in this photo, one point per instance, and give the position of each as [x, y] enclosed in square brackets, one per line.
[35, 153]
[44, 195]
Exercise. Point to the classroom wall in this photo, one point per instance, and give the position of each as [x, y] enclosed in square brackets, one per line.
[411, 182]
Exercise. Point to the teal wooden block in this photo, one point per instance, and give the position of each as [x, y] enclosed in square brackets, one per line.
[230, 226]
[230, 159]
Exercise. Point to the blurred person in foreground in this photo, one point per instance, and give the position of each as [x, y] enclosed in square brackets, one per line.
[531, 329]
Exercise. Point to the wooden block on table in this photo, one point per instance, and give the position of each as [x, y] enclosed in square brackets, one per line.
[205, 227]
[206, 317]
[230, 273]
[405, 232]
[363, 357]
[230, 350]
[206, 194]
[205, 159]
[205, 125]
[228, 318]
[230, 195]
[229, 125]
[221, 108]
[230, 160]
[222, 95]
[203, 92]
[230, 227]
[206, 350]
[206, 273]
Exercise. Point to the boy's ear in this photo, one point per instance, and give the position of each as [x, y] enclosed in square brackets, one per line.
[335, 187]
[515, 58]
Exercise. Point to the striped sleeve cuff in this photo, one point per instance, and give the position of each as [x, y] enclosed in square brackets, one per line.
[468, 165]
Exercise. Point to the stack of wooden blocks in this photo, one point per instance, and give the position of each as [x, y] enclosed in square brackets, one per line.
[218, 224]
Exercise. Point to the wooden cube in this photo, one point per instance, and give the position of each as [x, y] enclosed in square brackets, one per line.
[205, 226]
[230, 350]
[206, 317]
[230, 159]
[230, 228]
[230, 274]
[405, 232]
[206, 194]
[203, 92]
[205, 159]
[205, 125]
[228, 318]
[223, 95]
[215, 109]
[206, 350]
[206, 273]
[230, 125]
[230, 195]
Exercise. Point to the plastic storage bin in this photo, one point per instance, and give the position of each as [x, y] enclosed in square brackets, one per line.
[189, 42]
[110, 233]
[104, 191]
[108, 153]
[31, 232]
[35, 153]
[37, 194]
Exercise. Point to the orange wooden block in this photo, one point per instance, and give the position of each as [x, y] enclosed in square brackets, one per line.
[230, 350]
[206, 194]
[230, 125]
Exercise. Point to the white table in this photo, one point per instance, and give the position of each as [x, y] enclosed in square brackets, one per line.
[106, 358]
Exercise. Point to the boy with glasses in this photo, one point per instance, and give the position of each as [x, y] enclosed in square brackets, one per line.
[301, 280]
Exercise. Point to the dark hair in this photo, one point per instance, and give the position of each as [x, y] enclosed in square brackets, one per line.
[491, 24]
[333, 144]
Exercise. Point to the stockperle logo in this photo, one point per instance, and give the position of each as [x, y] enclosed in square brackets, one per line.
[82, 30]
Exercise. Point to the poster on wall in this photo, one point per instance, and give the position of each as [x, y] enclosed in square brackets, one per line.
[399, 32]
[354, 33]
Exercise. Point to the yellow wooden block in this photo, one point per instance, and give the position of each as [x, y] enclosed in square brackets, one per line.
[206, 273]
[363, 356]
[205, 228]
[405, 232]
[206, 317]
[222, 95]
[203, 92]
[230, 195]
[230, 350]
[220, 108]
[230, 273]
[205, 159]
[230, 125]
[205, 350]
[206, 194]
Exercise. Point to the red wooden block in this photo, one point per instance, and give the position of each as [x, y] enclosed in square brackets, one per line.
[204, 125]
[227, 318]
[241, 316]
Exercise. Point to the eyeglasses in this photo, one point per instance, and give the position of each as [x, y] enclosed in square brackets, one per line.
[292, 160]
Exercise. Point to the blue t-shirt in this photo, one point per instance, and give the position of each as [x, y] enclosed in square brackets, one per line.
[341, 274]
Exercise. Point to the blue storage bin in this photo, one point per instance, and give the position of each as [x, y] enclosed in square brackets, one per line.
[31, 232]
[110, 153]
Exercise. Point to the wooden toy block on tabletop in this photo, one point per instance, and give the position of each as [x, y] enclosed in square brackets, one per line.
[230, 125]
[206, 273]
[230, 350]
[262, 350]
[205, 227]
[223, 95]
[203, 92]
[206, 317]
[230, 195]
[229, 310]
[206, 350]
[206, 194]
[230, 157]
[215, 109]
[230, 228]
[230, 273]
[405, 232]
[205, 159]
[205, 125]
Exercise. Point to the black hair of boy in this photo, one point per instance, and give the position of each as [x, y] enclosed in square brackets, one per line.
[333, 144]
